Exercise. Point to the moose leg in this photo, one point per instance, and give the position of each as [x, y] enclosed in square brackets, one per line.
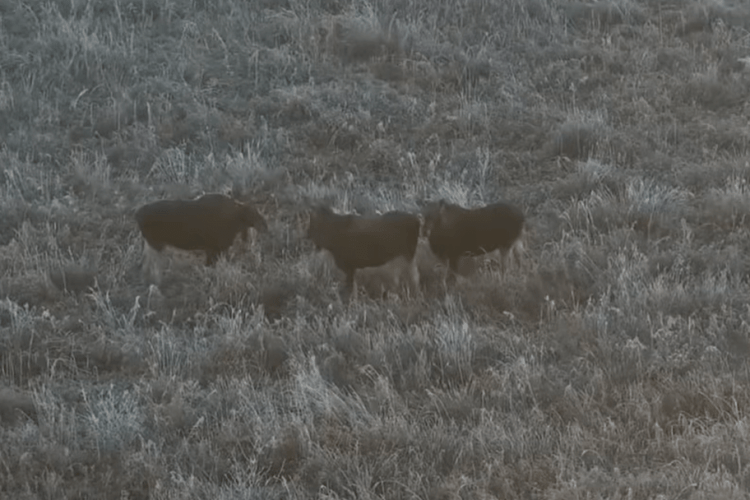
[211, 257]
[453, 263]
[405, 275]
[414, 275]
[349, 288]
[452, 271]
[151, 264]
[503, 262]
[518, 254]
[395, 272]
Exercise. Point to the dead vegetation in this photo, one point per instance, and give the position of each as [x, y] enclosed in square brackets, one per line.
[354, 42]
[613, 364]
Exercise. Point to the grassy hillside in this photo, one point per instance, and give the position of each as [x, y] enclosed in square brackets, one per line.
[612, 364]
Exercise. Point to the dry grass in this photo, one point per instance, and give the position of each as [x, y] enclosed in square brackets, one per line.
[612, 364]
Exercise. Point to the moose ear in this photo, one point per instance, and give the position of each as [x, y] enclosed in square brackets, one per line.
[320, 208]
[236, 192]
[309, 203]
[442, 205]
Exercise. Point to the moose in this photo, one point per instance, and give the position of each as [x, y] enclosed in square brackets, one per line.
[454, 231]
[209, 223]
[358, 242]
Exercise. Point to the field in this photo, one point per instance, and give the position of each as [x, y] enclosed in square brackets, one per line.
[611, 363]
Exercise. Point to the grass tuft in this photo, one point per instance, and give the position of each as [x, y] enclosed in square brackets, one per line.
[612, 363]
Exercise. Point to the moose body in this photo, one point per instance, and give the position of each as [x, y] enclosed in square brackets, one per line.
[454, 231]
[358, 242]
[209, 223]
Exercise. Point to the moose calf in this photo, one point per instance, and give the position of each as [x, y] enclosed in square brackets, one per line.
[454, 231]
[209, 223]
[357, 242]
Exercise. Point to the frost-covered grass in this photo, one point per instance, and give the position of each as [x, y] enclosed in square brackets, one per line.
[612, 364]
